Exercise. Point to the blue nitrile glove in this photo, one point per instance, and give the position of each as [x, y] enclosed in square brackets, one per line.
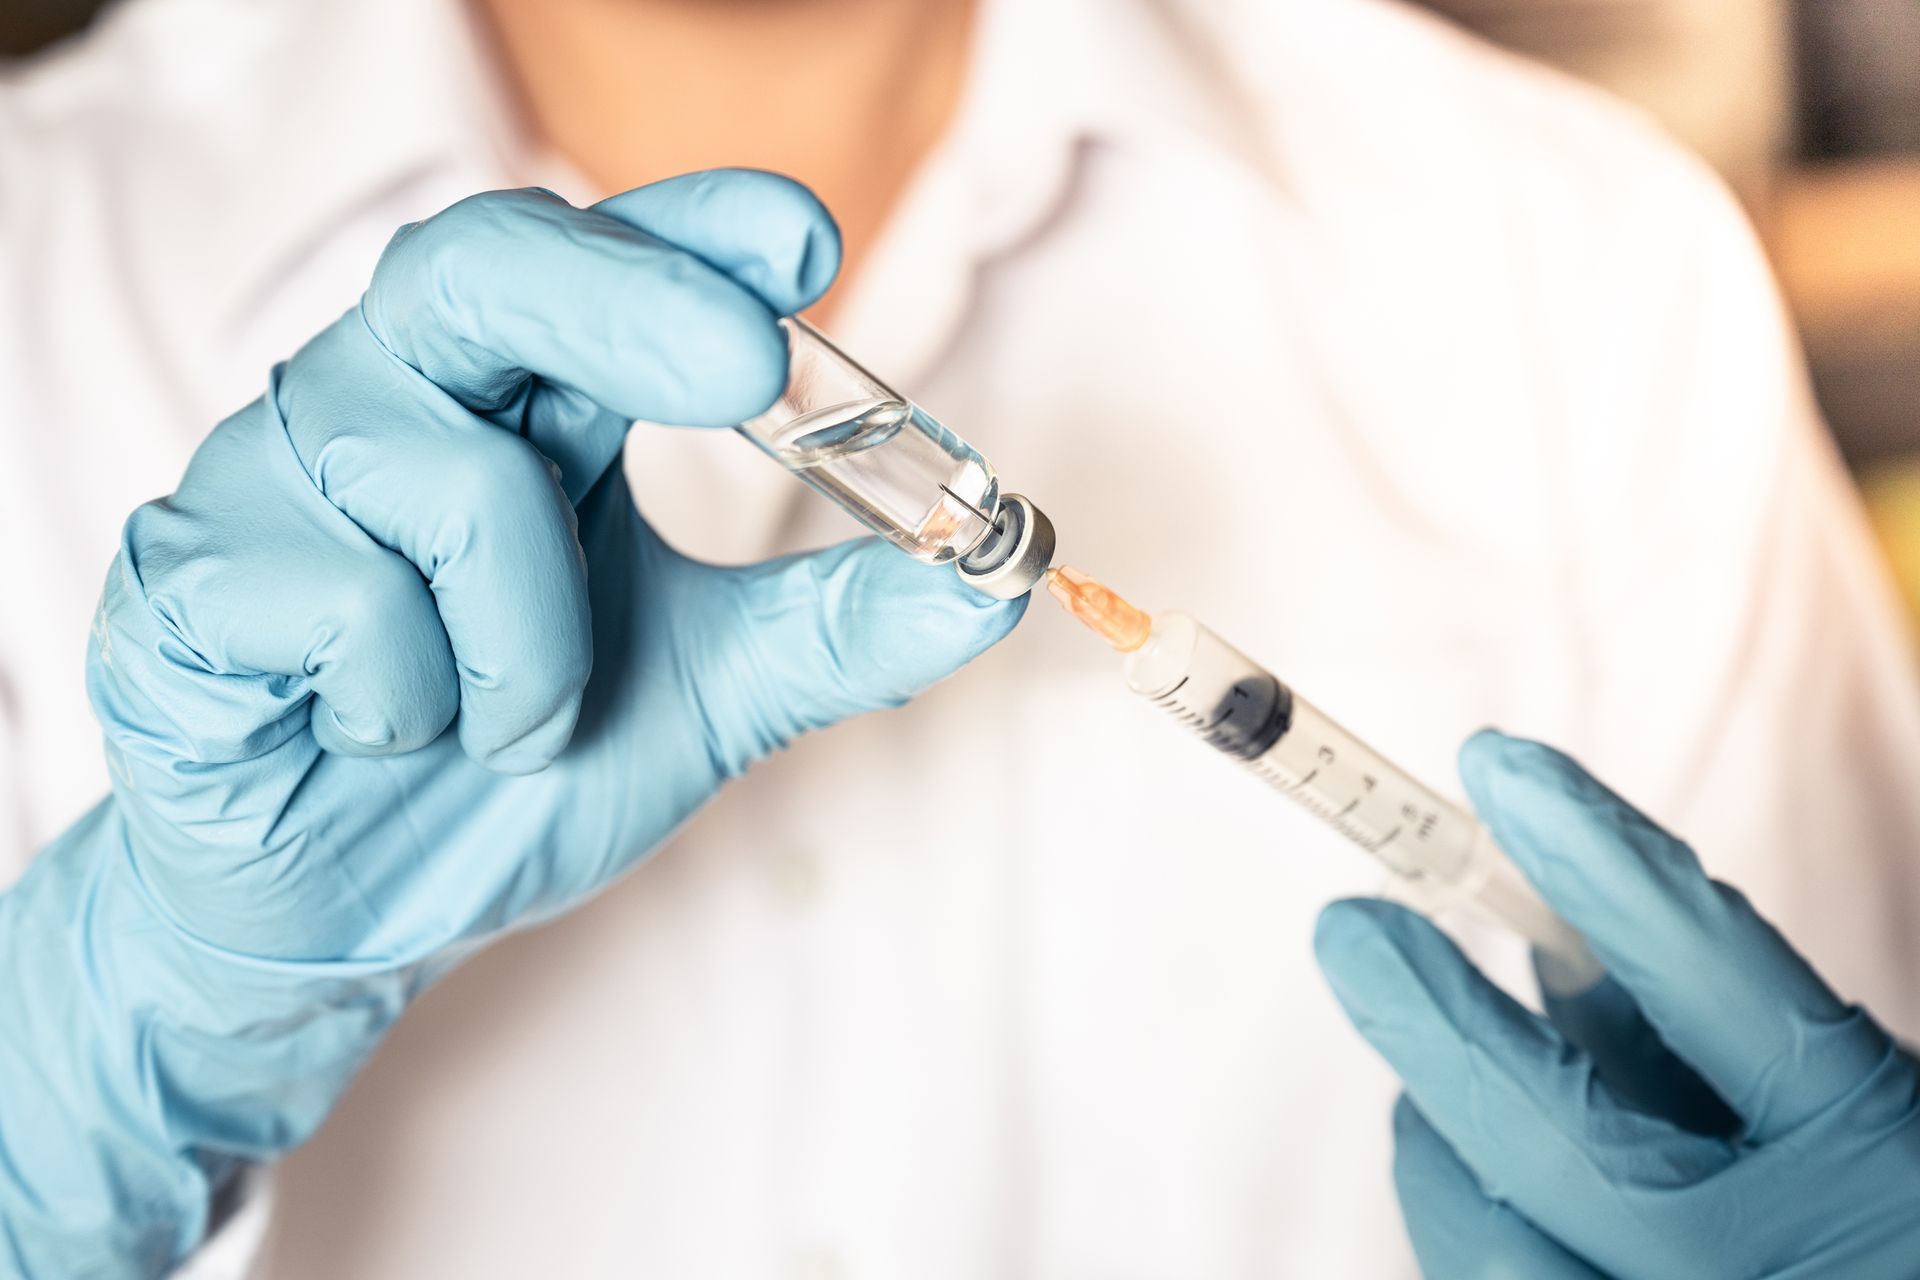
[1581, 1146]
[386, 544]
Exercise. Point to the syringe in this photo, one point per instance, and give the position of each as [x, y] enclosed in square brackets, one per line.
[1440, 855]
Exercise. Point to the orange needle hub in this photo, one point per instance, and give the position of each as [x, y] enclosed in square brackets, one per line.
[1099, 608]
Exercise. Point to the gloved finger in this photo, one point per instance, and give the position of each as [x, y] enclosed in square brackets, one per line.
[1517, 1102]
[318, 600]
[211, 636]
[1457, 1230]
[478, 512]
[804, 641]
[1717, 982]
[1634, 1063]
[509, 283]
[766, 231]
[462, 309]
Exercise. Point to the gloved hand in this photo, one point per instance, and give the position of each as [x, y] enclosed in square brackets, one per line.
[1582, 1146]
[421, 524]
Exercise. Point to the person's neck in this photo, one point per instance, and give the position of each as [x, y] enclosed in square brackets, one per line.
[848, 96]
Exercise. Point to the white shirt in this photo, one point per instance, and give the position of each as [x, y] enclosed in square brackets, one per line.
[1433, 380]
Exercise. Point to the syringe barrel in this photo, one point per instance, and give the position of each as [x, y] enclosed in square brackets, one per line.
[1441, 853]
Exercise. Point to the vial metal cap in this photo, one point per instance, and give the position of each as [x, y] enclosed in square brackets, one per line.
[1011, 560]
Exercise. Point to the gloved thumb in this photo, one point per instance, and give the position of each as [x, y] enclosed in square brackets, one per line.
[804, 641]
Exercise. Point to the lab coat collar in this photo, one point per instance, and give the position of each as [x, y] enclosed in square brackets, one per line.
[369, 95]
[1049, 81]
[1051, 77]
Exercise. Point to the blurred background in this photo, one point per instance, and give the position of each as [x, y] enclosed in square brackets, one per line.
[1811, 108]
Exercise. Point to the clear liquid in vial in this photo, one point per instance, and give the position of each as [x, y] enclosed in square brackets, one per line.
[886, 462]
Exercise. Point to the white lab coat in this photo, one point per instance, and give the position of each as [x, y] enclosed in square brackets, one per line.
[1432, 379]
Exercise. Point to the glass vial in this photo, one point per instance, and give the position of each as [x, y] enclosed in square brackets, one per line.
[878, 455]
